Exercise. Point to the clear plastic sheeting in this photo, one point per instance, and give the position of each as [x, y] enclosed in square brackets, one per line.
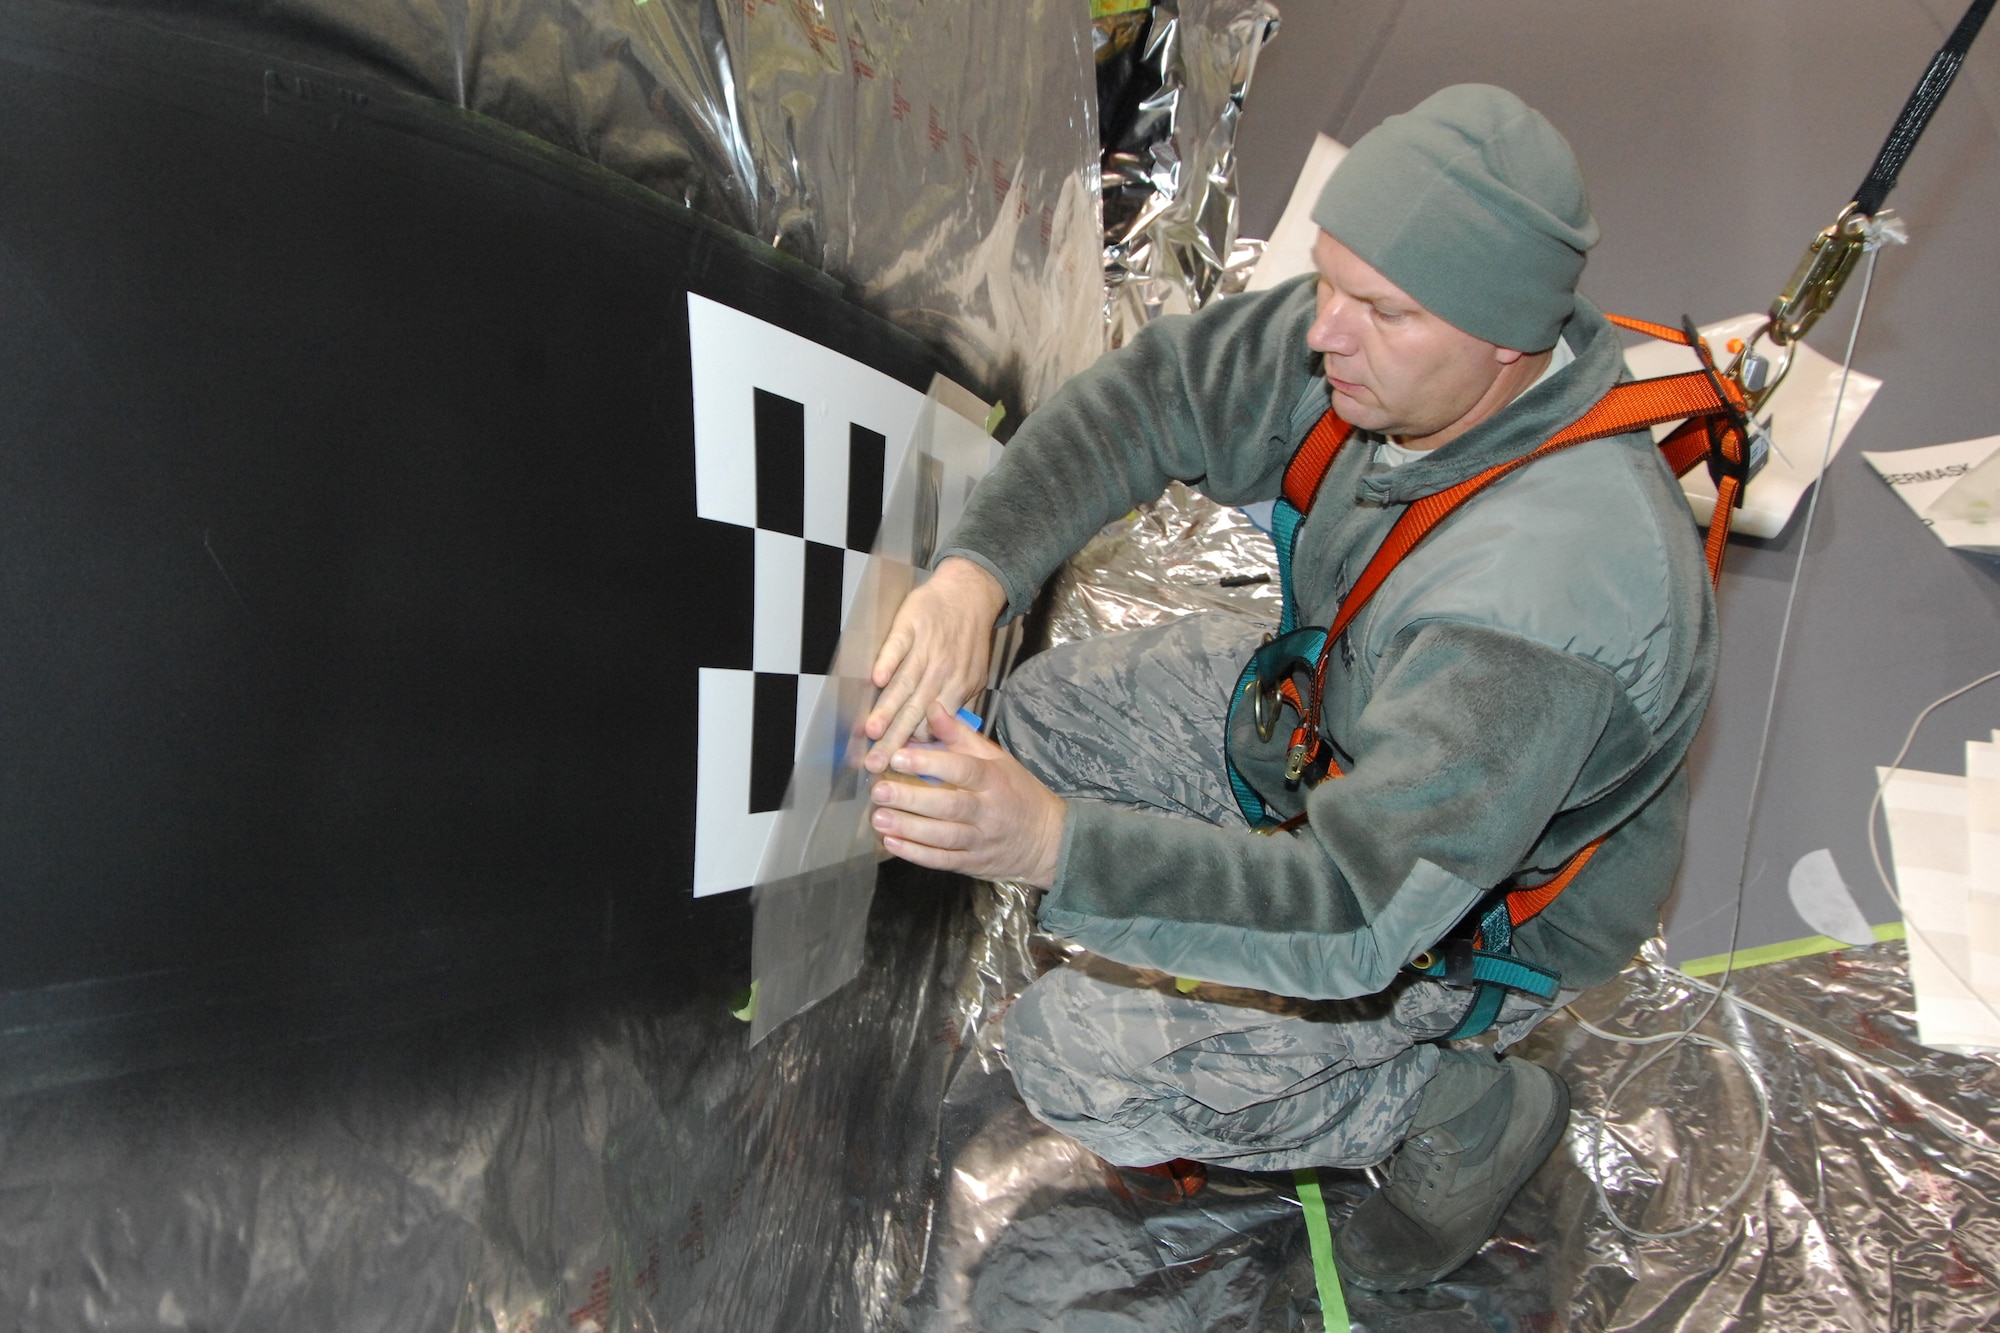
[1171, 80]
[1865, 1215]
[845, 132]
[630, 1164]
[633, 1164]
[939, 159]
[1874, 1207]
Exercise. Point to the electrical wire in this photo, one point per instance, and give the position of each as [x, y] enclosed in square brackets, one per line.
[1849, 1056]
[1686, 1036]
[1889, 775]
[1669, 1042]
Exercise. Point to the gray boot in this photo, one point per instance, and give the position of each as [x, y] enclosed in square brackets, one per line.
[1454, 1176]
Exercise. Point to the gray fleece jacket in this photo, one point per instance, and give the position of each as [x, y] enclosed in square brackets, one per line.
[1529, 678]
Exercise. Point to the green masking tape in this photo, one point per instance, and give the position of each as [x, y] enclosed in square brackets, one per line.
[1779, 953]
[1332, 1305]
[744, 1005]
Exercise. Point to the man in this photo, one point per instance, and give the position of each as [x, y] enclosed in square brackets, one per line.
[1527, 680]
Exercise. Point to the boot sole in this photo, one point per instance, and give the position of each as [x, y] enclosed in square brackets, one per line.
[1555, 1125]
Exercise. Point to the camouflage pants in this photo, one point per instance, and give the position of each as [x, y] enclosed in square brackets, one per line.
[1118, 1058]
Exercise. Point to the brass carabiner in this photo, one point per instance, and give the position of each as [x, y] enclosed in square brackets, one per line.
[1823, 270]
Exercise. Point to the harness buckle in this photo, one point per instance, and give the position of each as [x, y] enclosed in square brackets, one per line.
[1296, 761]
[1452, 962]
[1456, 956]
[1756, 442]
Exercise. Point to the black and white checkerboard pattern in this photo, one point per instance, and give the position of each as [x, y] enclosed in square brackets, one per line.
[795, 443]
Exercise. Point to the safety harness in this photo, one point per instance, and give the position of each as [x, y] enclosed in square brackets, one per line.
[1714, 428]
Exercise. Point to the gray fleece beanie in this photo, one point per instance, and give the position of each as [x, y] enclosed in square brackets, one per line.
[1472, 203]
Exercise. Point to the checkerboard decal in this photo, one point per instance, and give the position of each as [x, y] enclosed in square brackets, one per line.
[794, 446]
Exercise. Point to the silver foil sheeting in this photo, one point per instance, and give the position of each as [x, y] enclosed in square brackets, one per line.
[1863, 1214]
[1181, 553]
[635, 1167]
[1872, 1206]
[1172, 81]
[628, 1163]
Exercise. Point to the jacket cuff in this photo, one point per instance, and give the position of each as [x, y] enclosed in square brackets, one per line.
[1019, 595]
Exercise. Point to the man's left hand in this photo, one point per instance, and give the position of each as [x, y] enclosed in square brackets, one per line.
[991, 819]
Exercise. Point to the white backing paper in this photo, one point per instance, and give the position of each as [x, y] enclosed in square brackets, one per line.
[1289, 251]
[1798, 412]
[1928, 481]
[1982, 820]
[1926, 814]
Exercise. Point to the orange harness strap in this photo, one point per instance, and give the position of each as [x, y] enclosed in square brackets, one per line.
[1313, 459]
[1712, 411]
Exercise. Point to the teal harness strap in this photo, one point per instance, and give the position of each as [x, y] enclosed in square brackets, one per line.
[1285, 520]
[1269, 667]
[1248, 801]
[1490, 968]
[1273, 662]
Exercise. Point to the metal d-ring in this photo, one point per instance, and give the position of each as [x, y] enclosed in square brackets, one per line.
[1263, 702]
[1266, 707]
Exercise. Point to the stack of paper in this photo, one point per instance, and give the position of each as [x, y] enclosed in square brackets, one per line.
[1953, 488]
[1945, 831]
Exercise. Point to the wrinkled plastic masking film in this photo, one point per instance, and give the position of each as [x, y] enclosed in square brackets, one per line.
[818, 873]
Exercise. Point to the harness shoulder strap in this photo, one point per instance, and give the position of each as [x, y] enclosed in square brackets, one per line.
[1312, 460]
[1711, 409]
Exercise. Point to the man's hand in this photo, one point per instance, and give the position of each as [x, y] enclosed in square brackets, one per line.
[937, 652]
[994, 820]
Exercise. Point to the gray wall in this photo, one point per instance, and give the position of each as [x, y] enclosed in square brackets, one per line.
[1717, 138]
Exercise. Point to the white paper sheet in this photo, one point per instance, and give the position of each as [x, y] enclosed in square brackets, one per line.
[736, 360]
[1926, 813]
[1798, 412]
[1289, 251]
[1928, 481]
[1982, 818]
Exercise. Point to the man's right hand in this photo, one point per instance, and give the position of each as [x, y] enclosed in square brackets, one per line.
[938, 648]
